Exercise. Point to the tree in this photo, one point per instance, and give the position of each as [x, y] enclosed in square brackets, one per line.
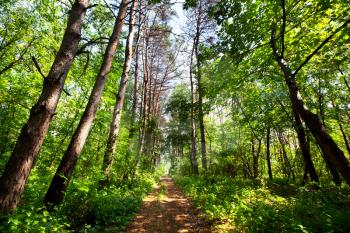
[60, 181]
[32, 135]
[262, 33]
[115, 124]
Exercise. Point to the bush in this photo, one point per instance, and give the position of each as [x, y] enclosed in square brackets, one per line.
[253, 206]
[86, 208]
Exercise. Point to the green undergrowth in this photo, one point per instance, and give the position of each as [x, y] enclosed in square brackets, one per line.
[265, 206]
[86, 208]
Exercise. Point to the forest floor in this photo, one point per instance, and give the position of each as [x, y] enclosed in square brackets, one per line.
[166, 209]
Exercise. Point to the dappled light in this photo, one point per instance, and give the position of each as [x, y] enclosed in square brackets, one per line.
[174, 116]
[166, 211]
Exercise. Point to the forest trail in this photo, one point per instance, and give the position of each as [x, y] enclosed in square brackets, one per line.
[167, 210]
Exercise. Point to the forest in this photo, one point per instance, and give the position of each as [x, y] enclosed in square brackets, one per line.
[174, 116]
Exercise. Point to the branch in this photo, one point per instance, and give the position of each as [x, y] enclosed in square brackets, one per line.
[308, 58]
[91, 6]
[273, 43]
[65, 91]
[38, 67]
[90, 42]
[284, 17]
[9, 66]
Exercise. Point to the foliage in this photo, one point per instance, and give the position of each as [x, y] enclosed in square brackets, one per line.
[263, 206]
[86, 208]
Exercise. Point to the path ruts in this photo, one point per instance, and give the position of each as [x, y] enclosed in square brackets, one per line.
[166, 209]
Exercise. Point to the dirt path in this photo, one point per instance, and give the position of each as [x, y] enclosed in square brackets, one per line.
[167, 210]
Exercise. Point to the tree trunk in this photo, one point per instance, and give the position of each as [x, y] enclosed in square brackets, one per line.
[32, 135]
[132, 166]
[193, 157]
[330, 149]
[341, 127]
[256, 158]
[143, 110]
[115, 124]
[305, 149]
[59, 184]
[331, 168]
[136, 79]
[200, 88]
[344, 137]
[286, 165]
[268, 153]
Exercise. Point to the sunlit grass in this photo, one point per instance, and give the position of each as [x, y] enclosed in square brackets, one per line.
[261, 206]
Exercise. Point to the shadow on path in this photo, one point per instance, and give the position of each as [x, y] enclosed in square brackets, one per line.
[166, 209]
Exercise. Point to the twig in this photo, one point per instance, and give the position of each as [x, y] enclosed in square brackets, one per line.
[38, 67]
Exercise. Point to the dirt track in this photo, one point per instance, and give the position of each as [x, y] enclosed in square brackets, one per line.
[166, 209]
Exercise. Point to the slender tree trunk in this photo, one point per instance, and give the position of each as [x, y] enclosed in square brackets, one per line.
[303, 144]
[268, 153]
[60, 181]
[341, 127]
[32, 135]
[344, 137]
[288, 166]
[136, 80]
[193, 157]
[115, 124]
[305, 149]
[144, 90]
[330, 149]
[199, 84]
[256, 158]
[331, 168]
[132, 129]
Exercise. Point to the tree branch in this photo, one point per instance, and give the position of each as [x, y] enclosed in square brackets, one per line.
[91, 6]
[284, 17]
[38, 67]
[66, 92]
[90, 42]
[308, 58]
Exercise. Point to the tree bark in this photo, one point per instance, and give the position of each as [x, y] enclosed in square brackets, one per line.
[268, 159]
[341, 127]
[255, 155]
[32, 135]
[143, 110]
[59, 184]
[200, 88]
[344, 137]
[328, 146]
[305, 149]
[193, 157]
[115, 124]
[303, 144]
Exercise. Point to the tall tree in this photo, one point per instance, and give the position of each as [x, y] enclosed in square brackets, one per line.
[60, 181]
[193, 156]
[32, 135]
[268, 21]
[200, 18]
[115, 124]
